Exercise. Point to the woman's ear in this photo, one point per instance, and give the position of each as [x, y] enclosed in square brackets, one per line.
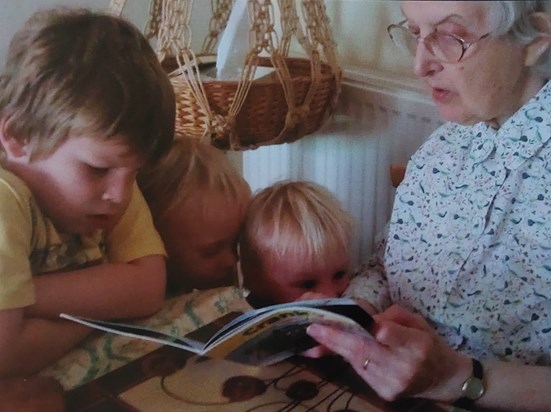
[536, 48]
[14, 148]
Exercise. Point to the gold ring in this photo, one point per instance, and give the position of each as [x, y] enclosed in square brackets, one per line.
[366, 363]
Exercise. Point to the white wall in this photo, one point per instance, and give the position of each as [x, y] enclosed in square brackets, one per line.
[359, 29]
[13, 14]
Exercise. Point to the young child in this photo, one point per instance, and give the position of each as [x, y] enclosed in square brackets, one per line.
[295, 241]
[198, 199]
[84, 103]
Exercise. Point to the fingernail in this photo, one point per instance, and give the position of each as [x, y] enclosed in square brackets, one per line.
[314, 330]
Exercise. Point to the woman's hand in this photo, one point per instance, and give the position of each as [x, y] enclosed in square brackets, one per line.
[405, 358]
[320, 351]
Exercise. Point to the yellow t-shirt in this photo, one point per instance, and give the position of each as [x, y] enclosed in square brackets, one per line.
[30, 244]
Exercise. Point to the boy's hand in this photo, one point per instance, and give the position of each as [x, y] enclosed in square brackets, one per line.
[22, 336]
[33, 393]
[11, 325]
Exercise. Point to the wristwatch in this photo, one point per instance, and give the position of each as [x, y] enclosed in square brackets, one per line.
[473, 388]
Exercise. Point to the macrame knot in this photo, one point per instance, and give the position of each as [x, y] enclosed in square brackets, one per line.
[296, 116]
[220, 126]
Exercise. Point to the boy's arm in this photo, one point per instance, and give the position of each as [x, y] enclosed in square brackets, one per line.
[27, 345]
[107, 291]
[131, 285]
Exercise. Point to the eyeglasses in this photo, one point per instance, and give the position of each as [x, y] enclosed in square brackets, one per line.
[445, 47]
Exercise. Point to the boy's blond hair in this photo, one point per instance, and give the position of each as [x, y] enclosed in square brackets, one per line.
[188, 170]
[73, 72]
[296, 219]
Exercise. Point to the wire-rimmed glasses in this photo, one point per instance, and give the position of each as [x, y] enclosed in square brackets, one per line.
[445, 47]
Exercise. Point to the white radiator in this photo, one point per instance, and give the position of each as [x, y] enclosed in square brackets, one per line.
[379, 120]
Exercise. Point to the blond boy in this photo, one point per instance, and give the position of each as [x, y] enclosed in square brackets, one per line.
[84, 104]
[295, 241]
[198, 199]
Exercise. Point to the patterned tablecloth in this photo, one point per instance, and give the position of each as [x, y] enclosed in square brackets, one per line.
[104, 352]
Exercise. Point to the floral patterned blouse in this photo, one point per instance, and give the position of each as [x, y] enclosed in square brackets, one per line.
[469, 241]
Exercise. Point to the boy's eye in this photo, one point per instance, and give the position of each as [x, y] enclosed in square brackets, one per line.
[98, 171]
[307, 284]
[211, 250]
[339, 275]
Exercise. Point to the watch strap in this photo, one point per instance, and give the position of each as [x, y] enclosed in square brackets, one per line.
[467, 400]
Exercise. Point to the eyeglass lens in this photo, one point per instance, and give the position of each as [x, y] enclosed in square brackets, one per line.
[444, 47]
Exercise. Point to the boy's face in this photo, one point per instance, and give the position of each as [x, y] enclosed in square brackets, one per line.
[85, 184]
[287, 279]
[201, 236]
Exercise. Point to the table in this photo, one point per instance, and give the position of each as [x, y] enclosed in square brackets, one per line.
[108, 372]
[169, 379]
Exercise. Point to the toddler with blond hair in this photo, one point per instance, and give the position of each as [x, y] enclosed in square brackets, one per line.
[198, 200]
[295, 241]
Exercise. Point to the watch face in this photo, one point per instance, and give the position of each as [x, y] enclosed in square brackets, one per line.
[473, 388]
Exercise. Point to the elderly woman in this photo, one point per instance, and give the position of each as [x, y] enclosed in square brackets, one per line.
[464, 286]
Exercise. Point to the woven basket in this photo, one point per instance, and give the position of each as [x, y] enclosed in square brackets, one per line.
[264, 113]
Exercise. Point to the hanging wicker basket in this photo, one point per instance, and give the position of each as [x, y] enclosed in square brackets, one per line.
[291, 102]
[264, 112]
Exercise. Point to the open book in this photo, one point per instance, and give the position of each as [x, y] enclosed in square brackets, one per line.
[258, 337]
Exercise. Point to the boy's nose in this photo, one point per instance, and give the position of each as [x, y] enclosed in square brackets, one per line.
[229, 259]
[333, 288]
[113, 195]
[330, 290]
[117, 191]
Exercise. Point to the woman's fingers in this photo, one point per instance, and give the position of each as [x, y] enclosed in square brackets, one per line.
[400, 315]
[316, 352]
[354, 347]
[400, 337]
[372, 361]
[394, 362]
[337, 340]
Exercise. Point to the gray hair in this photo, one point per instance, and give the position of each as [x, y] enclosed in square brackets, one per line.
[515, 19]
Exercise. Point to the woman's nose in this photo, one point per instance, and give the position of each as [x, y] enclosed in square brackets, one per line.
[424, 62]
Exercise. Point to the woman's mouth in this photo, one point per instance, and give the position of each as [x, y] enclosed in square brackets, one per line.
[440, 95]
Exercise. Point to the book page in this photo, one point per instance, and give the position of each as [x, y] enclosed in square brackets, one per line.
[139, 332]
[259, 337]
[330, 304]
[277, 335]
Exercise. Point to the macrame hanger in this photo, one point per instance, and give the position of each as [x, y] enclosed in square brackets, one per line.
[221, 10]
[169, 25]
